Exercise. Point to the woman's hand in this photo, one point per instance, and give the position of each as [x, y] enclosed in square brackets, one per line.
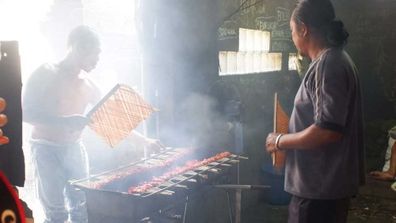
[270, 143]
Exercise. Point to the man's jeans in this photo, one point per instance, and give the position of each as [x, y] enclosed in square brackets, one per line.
[55, 165]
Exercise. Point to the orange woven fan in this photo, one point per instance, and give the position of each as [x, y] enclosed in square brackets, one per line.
[281, 125]
[118, 113]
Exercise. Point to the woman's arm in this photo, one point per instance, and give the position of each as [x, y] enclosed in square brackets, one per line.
[310, 138]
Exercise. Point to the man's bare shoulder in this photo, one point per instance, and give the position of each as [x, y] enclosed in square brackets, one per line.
[41, 77]
[47, 68]
[45, 72]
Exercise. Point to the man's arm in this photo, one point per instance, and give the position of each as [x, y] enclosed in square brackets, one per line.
[38, 117]
[140, 140]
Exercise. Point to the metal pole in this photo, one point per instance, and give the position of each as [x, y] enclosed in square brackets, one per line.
[157, 124]
[229, 206]
[185, 210]
[142, 89]
[238, 196]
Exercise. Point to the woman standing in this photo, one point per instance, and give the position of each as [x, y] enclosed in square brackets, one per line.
[324, 147]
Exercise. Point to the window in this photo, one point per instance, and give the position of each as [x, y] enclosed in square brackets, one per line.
[253, 55]
[292, 61]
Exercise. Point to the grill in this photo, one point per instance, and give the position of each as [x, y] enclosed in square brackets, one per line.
[138, 190]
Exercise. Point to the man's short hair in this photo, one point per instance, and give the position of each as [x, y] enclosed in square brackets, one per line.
[83, 37]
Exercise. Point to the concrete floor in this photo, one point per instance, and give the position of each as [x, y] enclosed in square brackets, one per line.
[376, 203]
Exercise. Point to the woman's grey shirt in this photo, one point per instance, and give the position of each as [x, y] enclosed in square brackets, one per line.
[329, 97]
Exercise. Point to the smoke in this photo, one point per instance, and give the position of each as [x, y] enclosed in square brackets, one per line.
[204, 123]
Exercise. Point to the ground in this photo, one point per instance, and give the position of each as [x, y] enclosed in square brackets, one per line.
[376, 203]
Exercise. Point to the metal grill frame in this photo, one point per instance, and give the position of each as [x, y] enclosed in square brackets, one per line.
[199, 173]
[120, 207]
[82, 182]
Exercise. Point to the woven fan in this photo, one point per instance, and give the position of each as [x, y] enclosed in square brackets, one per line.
[118, 113]
[281, 125]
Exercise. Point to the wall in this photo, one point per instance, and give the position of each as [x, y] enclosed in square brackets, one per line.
[179, 50]
[372, 46]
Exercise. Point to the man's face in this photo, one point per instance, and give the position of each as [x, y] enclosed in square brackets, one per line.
[89, 58]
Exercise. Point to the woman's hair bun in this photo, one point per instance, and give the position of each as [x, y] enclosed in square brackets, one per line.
[336, 34]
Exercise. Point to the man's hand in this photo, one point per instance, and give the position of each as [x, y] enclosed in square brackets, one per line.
[76, 122]
[140, 141]
[153, 145]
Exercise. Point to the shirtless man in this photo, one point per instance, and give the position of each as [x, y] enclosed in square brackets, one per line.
[54, 101]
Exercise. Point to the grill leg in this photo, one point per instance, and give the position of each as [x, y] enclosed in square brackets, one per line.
[185, 210]
[229, 206]
[238, 195]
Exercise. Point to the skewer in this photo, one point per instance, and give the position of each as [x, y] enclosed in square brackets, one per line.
[242, 186]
